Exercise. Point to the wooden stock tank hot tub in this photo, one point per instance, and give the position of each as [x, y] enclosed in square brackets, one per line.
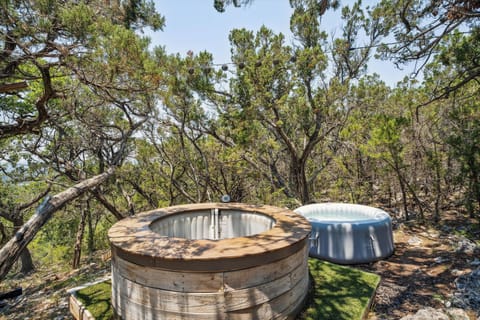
[210, 261]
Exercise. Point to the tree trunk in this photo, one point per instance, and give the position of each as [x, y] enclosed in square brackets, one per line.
[404, 199]
[27, 262]
[77, 251]
[110, 207]
[438, 192]
[402, 190]
[11, 251]
[91, 231]
[25, 256]
[475, 191]
[300, 183]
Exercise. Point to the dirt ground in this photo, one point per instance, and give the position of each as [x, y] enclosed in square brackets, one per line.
[419, 274]
[423, 268]
[45, 293]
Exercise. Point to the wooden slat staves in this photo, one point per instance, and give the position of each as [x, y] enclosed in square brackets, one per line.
[246, 298]
[134, 301]
[169, 280]
[251, 277]
[278, 308]
[296, 303]
[208, 282]
[263, 276]
[163, 300]
[259, 294]
[170, 301]
[135, 311]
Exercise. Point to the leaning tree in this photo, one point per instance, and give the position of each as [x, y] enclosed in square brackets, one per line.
[76, 82]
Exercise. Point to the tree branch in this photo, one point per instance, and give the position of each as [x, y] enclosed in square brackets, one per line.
[29, 125]
[11, 251]
[11, 87]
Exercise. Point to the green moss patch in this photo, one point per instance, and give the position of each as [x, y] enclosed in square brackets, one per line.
[339, 292]
[96, 299]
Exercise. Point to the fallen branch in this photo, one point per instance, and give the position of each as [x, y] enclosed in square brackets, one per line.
[11, 251]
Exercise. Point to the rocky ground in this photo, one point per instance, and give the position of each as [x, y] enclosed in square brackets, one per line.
[433, 274]
[45, 293]
[432, 269]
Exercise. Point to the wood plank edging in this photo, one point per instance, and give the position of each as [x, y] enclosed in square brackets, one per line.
[78, 310]
[76, 307]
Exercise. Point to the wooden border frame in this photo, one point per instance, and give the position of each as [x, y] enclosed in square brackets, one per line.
[133, 240]
[76, 307]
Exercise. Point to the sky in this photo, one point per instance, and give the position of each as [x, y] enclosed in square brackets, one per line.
[195, 25]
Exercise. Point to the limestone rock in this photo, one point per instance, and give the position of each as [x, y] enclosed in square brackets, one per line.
[467, 295]
[457, 314]
[430, 313]
[427, 314]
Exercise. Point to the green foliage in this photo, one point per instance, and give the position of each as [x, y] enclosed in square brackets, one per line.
[78, 20]
[461, 50]
[46, 253]
[424, 31]
[140, 12]
[288, 124]
[463, 140]
[54, 243]
[385, 137]
[220, 5]
[277, 104]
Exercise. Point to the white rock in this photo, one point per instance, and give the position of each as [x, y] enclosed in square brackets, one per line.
[414, 241]
[457, 314]
[475, 262]
[427, 314]
[441, 259]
